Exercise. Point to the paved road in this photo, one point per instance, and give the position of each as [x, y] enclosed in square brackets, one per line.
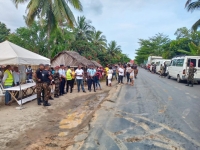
[155, 114]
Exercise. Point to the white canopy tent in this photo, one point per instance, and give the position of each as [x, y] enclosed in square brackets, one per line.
[16, 55]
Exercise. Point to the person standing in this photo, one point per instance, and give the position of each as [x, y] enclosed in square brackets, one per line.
[97, 79]
[29, 74]
[121, 74]
[16, 76]
[46, 78]
[56, 77]
[128, 71]
[161, 70]
[50, 84]
[69, 79]
[79, 78]
[110, 73]
[191, 72]
[114, 72]
[91, 78]
[39, 83]
[106, 73]
[132, 75]
[63, 79]
[73, 77]
[135, 72]
[8, 82]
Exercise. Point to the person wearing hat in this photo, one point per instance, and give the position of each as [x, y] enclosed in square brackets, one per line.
[39, 82]
[46, 78]
[29, 74]
[8, 82]
[63, 79]
[191, 72]
[69, 79]
[57, 79]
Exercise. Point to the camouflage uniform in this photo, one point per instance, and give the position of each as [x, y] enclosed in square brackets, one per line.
[39, 90]
[47, 92]
[56, 78]
[190, 78]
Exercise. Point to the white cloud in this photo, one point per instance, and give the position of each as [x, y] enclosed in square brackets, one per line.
[124, 21]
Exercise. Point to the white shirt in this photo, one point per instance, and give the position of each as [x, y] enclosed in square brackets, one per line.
[121, 72]
[62, 72]
[16, 77]
[128, 69]
[79, 72]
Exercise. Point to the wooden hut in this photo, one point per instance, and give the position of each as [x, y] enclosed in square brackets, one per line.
[69, 58]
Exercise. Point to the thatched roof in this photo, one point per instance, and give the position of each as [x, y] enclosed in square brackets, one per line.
[96, 63]
[69, 58]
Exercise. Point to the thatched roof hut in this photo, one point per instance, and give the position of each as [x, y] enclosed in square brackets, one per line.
[96, 63]
[69, 58]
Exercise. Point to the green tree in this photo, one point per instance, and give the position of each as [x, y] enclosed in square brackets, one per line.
[51, 12]
[191, 6]
[4, 32]
[98, 39]
[83, 28]
[182, 33]
[113, 50]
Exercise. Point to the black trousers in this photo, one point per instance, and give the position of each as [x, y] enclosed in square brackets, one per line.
[128, 77]
[69, 83]
[62, 86]
[120, 79]
[107, 80]
[91, 82]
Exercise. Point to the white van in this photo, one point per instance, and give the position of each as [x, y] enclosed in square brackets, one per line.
[162, 61]
[180, 65]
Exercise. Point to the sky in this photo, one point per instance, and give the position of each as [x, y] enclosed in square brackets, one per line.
[124, 21]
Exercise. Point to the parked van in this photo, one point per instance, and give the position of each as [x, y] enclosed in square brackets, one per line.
[151, 58]
[179, 66]
[162, 61]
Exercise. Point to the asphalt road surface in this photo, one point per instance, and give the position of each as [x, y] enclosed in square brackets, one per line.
[156, 114]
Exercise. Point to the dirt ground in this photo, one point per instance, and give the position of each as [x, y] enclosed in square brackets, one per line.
[45, 128]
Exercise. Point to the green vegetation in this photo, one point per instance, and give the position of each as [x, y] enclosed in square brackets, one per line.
[191, 6]
[187, 43]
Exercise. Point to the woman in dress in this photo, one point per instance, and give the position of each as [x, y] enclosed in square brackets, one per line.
[132, 76]
[110, 72]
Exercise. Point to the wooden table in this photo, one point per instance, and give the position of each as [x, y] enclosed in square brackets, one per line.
[24, 88]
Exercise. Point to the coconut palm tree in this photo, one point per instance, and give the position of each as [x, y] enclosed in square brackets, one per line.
[194, 50]
[83, 28]
[98, 39]
[52, 12]
[191, 6]
[113, 49]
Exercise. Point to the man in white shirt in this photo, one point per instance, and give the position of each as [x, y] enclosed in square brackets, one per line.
[79, 78]
[63, 79]
[121, 74]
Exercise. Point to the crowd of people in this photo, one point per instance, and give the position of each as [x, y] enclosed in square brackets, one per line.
[64, 77]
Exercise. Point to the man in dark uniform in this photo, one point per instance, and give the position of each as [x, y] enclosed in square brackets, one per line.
[39, 82]
[191, 72]
[46, 77]
[56, 77]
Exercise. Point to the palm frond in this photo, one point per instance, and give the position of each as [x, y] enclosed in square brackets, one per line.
[16, 2]
[183, 51]
[76, 4]
[193, 6]
[188, 2]
[196, 25]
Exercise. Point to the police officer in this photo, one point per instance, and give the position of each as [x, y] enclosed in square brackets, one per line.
[191, 72]
[39, 82]
[57, 79]
[46, 77]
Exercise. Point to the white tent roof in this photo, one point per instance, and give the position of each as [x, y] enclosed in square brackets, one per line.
[13, 54]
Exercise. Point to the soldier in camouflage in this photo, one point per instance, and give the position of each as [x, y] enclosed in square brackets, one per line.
[191, 72]
[56, 77]
[39, 83]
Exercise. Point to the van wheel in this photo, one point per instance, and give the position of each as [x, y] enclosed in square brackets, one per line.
[168, 76]
[178, 79]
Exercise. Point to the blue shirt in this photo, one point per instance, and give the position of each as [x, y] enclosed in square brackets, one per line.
[91, 72]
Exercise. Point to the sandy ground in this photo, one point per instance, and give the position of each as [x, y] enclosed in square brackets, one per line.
[20, 129]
